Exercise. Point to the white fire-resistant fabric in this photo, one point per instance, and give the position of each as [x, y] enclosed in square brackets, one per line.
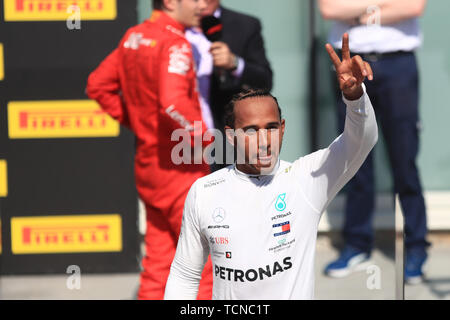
[261, 230]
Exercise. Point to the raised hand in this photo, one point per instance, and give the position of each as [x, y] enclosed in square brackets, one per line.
[350, 72]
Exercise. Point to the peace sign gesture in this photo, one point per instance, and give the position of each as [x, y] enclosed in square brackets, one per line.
[350, 72]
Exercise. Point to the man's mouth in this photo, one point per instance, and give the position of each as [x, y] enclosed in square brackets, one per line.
[265, 159]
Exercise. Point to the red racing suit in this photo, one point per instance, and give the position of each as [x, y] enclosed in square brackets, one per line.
[149, 85]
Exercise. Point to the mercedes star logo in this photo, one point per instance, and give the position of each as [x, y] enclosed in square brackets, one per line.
[218, 215]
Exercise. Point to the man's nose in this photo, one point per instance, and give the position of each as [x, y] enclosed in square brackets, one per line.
[262, 139]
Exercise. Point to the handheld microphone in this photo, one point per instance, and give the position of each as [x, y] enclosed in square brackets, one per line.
[212, 29]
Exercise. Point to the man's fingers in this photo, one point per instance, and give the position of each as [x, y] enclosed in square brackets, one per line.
[218, 54]
[215, 49]
[361, 66]
[220, 58]
[349, 83]
[369, 71]
[333, 56]
[218, 46]
[345, 47]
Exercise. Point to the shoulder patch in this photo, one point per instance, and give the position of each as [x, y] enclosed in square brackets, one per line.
[135, 40]
[179, 59]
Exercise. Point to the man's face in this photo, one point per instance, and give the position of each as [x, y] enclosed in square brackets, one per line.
[211, 6]
[258, 134]
[187, 12]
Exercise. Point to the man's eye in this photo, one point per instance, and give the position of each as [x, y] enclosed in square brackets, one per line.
[272, 128]
[250, 132]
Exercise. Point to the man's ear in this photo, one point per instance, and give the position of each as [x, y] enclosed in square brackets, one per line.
[229, 134]
[169, 5]
[283, 124]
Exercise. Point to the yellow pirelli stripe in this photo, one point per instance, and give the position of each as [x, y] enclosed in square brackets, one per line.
[66, 234]
[59, 119]
[59, 10]
[2, 63]
[3, 179]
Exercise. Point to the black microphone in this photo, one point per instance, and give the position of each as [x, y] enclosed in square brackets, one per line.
[212, 28]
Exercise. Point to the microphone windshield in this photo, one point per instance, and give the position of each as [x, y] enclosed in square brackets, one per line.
[212, 28]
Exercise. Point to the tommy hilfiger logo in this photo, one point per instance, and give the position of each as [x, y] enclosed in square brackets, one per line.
[281, 228]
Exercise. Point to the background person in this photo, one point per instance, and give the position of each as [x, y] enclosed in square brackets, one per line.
[238, 60]
[149, 85]
[389, 48]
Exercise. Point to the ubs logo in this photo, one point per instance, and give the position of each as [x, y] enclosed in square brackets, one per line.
[218, 215]
[219, 240]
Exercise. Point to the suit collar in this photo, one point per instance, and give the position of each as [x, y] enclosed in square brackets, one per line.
[160, 17]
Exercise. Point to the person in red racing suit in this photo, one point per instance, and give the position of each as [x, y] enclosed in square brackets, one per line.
[149, 85]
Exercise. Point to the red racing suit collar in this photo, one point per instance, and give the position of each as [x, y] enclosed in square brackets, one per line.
[162, 18]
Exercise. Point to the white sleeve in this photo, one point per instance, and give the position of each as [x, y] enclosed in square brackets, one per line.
[325, 172]
[191, 254]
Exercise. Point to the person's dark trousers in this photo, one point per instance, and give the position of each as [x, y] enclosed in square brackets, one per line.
[394, 96]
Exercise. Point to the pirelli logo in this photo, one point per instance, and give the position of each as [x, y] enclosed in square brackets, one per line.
[2, 63]
[66, 234]
[59, 119]
[3, 179]
[58, 10]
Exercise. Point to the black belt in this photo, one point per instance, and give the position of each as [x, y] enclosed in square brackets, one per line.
[375, 56]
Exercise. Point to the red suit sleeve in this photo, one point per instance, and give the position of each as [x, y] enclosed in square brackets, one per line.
[104, 87]
[177, 90]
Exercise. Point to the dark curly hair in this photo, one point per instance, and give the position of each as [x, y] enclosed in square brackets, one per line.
[229, 116]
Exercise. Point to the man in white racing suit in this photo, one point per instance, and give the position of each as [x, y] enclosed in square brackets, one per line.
[258, 218]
